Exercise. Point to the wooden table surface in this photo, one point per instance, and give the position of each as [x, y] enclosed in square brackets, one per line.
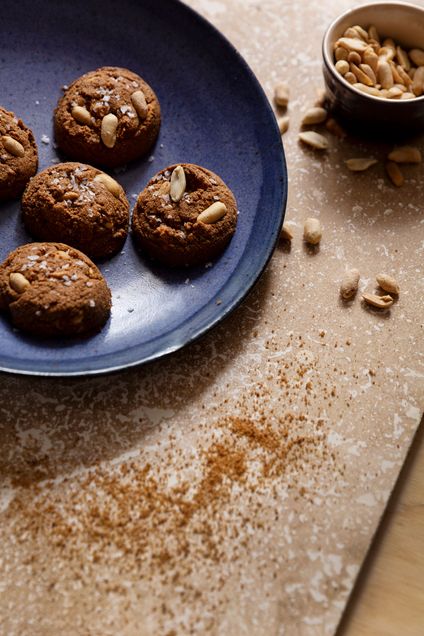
[389, 597]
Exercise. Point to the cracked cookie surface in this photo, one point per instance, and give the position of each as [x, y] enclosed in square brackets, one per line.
[170, 231]
[107, 117]
[79, 205]
[51, 289]
[18, 155]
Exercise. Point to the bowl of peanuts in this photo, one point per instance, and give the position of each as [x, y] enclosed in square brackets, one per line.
[374, 68]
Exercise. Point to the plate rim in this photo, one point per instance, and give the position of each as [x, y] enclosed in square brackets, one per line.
[104, 368]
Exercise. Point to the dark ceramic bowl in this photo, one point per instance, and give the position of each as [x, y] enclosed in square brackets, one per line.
[365, 113]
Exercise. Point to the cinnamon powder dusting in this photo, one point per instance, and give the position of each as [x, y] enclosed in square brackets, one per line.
[164, 538]
[131, 522]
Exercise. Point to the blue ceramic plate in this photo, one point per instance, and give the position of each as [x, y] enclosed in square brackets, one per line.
[214, 114]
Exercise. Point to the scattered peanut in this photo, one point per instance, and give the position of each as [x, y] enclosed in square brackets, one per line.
[388, 283]
[314, 115]
[321, 96]
[283, 124]
[349, 284]
[360, 164]
[314, 140]
[286, 233]
[281, 94]
[18, 282]
[406, 154]
[312, 232]
[382, 302]
[394, 173]
[334, 128]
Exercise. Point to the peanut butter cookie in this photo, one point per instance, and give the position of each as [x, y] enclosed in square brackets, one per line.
[51, 289]
[18, 155]
[79, 205]
[185, 216]
[107, 117]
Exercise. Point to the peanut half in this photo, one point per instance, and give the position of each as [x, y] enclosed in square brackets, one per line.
[213, 213]
[314, 115]
[342, 66]
[417, 56]
[178, 184]
[18, 282]
[314, 140]
[418, 81]
[13, 147]
[281, 94]
[108, 130]
[384, 74]
[369, 90]
[312, 232]
[360, 164]
[334, 128]
[394, 173]
[350, 77]
[349, 284]
[388, 283]
[283, 124]
[382, 302]
[286, 234]
[361, 76]
[340, 54]
[81, 115]
[109, 183]
[406, 154]
[352, 44]
[139, 102]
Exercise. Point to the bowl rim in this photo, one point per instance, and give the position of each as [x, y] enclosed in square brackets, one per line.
[331, 66]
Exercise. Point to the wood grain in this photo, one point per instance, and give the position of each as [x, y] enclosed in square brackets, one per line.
[389, 597]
